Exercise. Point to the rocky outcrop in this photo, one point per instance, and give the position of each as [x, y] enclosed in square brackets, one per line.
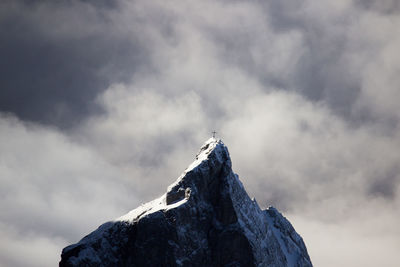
[206, 218]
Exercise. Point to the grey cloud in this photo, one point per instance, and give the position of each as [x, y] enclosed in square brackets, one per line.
[64, 55]
[14, 251]
[385, 6]
[321, 51]
[57, 56]
[386, 184]
[321, 72]
[47, 183]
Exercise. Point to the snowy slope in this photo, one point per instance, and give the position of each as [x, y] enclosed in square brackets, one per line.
[206, 218]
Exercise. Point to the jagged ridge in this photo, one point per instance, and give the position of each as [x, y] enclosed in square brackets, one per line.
[206, 218]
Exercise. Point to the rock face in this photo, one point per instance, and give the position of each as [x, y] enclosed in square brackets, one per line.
[206, 218]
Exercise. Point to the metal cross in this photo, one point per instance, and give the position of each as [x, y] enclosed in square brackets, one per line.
[213, 133]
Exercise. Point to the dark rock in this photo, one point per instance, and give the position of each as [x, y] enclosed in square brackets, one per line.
[206, 218]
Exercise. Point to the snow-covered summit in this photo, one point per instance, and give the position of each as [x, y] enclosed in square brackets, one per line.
[205, 218]
[212, 145]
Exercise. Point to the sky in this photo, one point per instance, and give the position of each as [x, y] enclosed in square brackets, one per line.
[103, 104]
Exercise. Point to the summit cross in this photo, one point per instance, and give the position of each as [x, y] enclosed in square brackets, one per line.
[213, 134]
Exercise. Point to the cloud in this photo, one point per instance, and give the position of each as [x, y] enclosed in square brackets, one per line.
[144, 133]
[304, 93]
[308, 148]
[20, 249]
[51, 190]
[57, 56]
[373, 234]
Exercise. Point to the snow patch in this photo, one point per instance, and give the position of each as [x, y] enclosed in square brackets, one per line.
[148, 208]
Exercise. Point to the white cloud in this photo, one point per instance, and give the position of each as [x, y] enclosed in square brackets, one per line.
[22, 249]
[52, 191]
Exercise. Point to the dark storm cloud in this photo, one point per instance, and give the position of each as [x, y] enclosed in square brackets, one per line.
[58, 55]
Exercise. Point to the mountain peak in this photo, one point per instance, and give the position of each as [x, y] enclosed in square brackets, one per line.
[211, 144]
[205, 218]
[201, 177]
[210, 148]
